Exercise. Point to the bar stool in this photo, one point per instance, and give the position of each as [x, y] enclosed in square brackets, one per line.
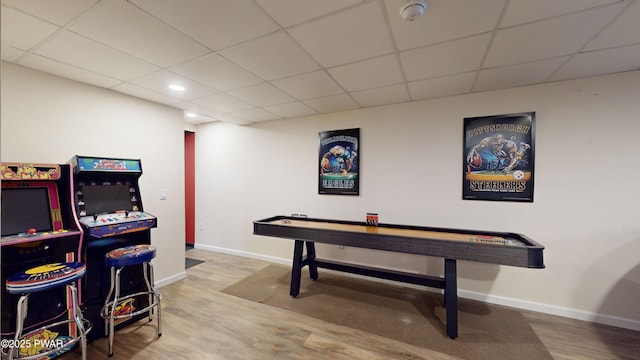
[119, 307]
[42, 278]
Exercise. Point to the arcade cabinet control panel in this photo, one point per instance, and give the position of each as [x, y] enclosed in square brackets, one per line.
[104, 225]
[34, 235]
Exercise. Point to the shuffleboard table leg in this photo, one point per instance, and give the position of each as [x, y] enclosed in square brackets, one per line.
[451, 297]
[311, 260]
[296, 268]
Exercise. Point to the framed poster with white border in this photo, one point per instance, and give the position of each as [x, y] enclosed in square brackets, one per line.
[498, 157]
[338, 160]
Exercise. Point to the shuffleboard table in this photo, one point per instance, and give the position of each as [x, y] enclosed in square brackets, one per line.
[451, 244]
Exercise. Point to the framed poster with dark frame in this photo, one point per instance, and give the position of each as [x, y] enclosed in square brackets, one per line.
[338, 155]
[498, 157]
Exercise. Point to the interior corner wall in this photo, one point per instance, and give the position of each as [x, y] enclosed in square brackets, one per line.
[47, 119]
[585, 208]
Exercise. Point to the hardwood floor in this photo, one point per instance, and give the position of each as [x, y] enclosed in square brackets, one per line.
[200, 322]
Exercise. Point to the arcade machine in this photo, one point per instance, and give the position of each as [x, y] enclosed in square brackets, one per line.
[109, 209]
[38, 227]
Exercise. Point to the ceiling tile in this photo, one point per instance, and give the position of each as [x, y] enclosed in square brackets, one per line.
[22, 31]
[441, 87]
[217, 72]
[445, 59]
[90, 55]
[291, 12]
[191, 107]
[291, 110]
[368, 74]
[11, 54]
[123, 26]
[58, 12]
[194, 117]
[443, 20]
[349, 36]
[532, 41]
[144, 93]
[263, 94]
[232, 119]
[215, 23]
[199, 119]
[600, 62]
[68, 71]
[625, 31]
[272, 57]
[524, 11]
[517, 75]
[332, 103]
[382, 96]
[307, 86]
[255, 115]
[222, 103]
[160, 81]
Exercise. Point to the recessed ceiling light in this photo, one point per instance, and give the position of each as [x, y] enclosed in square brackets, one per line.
[191, 115]
[176, 87]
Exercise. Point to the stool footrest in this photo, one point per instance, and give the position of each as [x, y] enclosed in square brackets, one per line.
[60, 349]
[105, 312]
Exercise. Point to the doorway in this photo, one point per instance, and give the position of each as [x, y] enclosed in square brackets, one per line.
[190, 188]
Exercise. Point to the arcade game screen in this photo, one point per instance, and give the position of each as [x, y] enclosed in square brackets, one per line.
[25, 208]
[100, 199]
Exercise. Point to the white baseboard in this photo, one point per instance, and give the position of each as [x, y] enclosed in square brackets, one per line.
[624, 323]
[171, 279]
[554, 310]
[272, 259]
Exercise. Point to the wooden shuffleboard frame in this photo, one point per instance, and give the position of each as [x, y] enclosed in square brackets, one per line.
[451, 244]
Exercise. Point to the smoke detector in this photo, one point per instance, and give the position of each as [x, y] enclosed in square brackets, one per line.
[413, 9]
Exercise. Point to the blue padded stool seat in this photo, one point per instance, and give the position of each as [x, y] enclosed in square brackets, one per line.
[130, 255]
[41, 278]
[45, 277]
[118, 306]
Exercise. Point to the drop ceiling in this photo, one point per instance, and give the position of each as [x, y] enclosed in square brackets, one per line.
[248, 61]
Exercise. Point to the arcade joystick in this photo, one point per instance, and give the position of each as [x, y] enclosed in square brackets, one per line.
[126, 213]
[31, 231]
[95, 217]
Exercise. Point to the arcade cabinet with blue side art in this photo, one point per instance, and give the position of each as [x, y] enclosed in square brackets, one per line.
[38, 229]
[110, 211]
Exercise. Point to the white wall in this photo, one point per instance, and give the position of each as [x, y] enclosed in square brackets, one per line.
[585, 208]
[47, 119]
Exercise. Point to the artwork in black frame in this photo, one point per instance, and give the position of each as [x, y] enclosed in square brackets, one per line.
[338, 162]
[498, 157]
